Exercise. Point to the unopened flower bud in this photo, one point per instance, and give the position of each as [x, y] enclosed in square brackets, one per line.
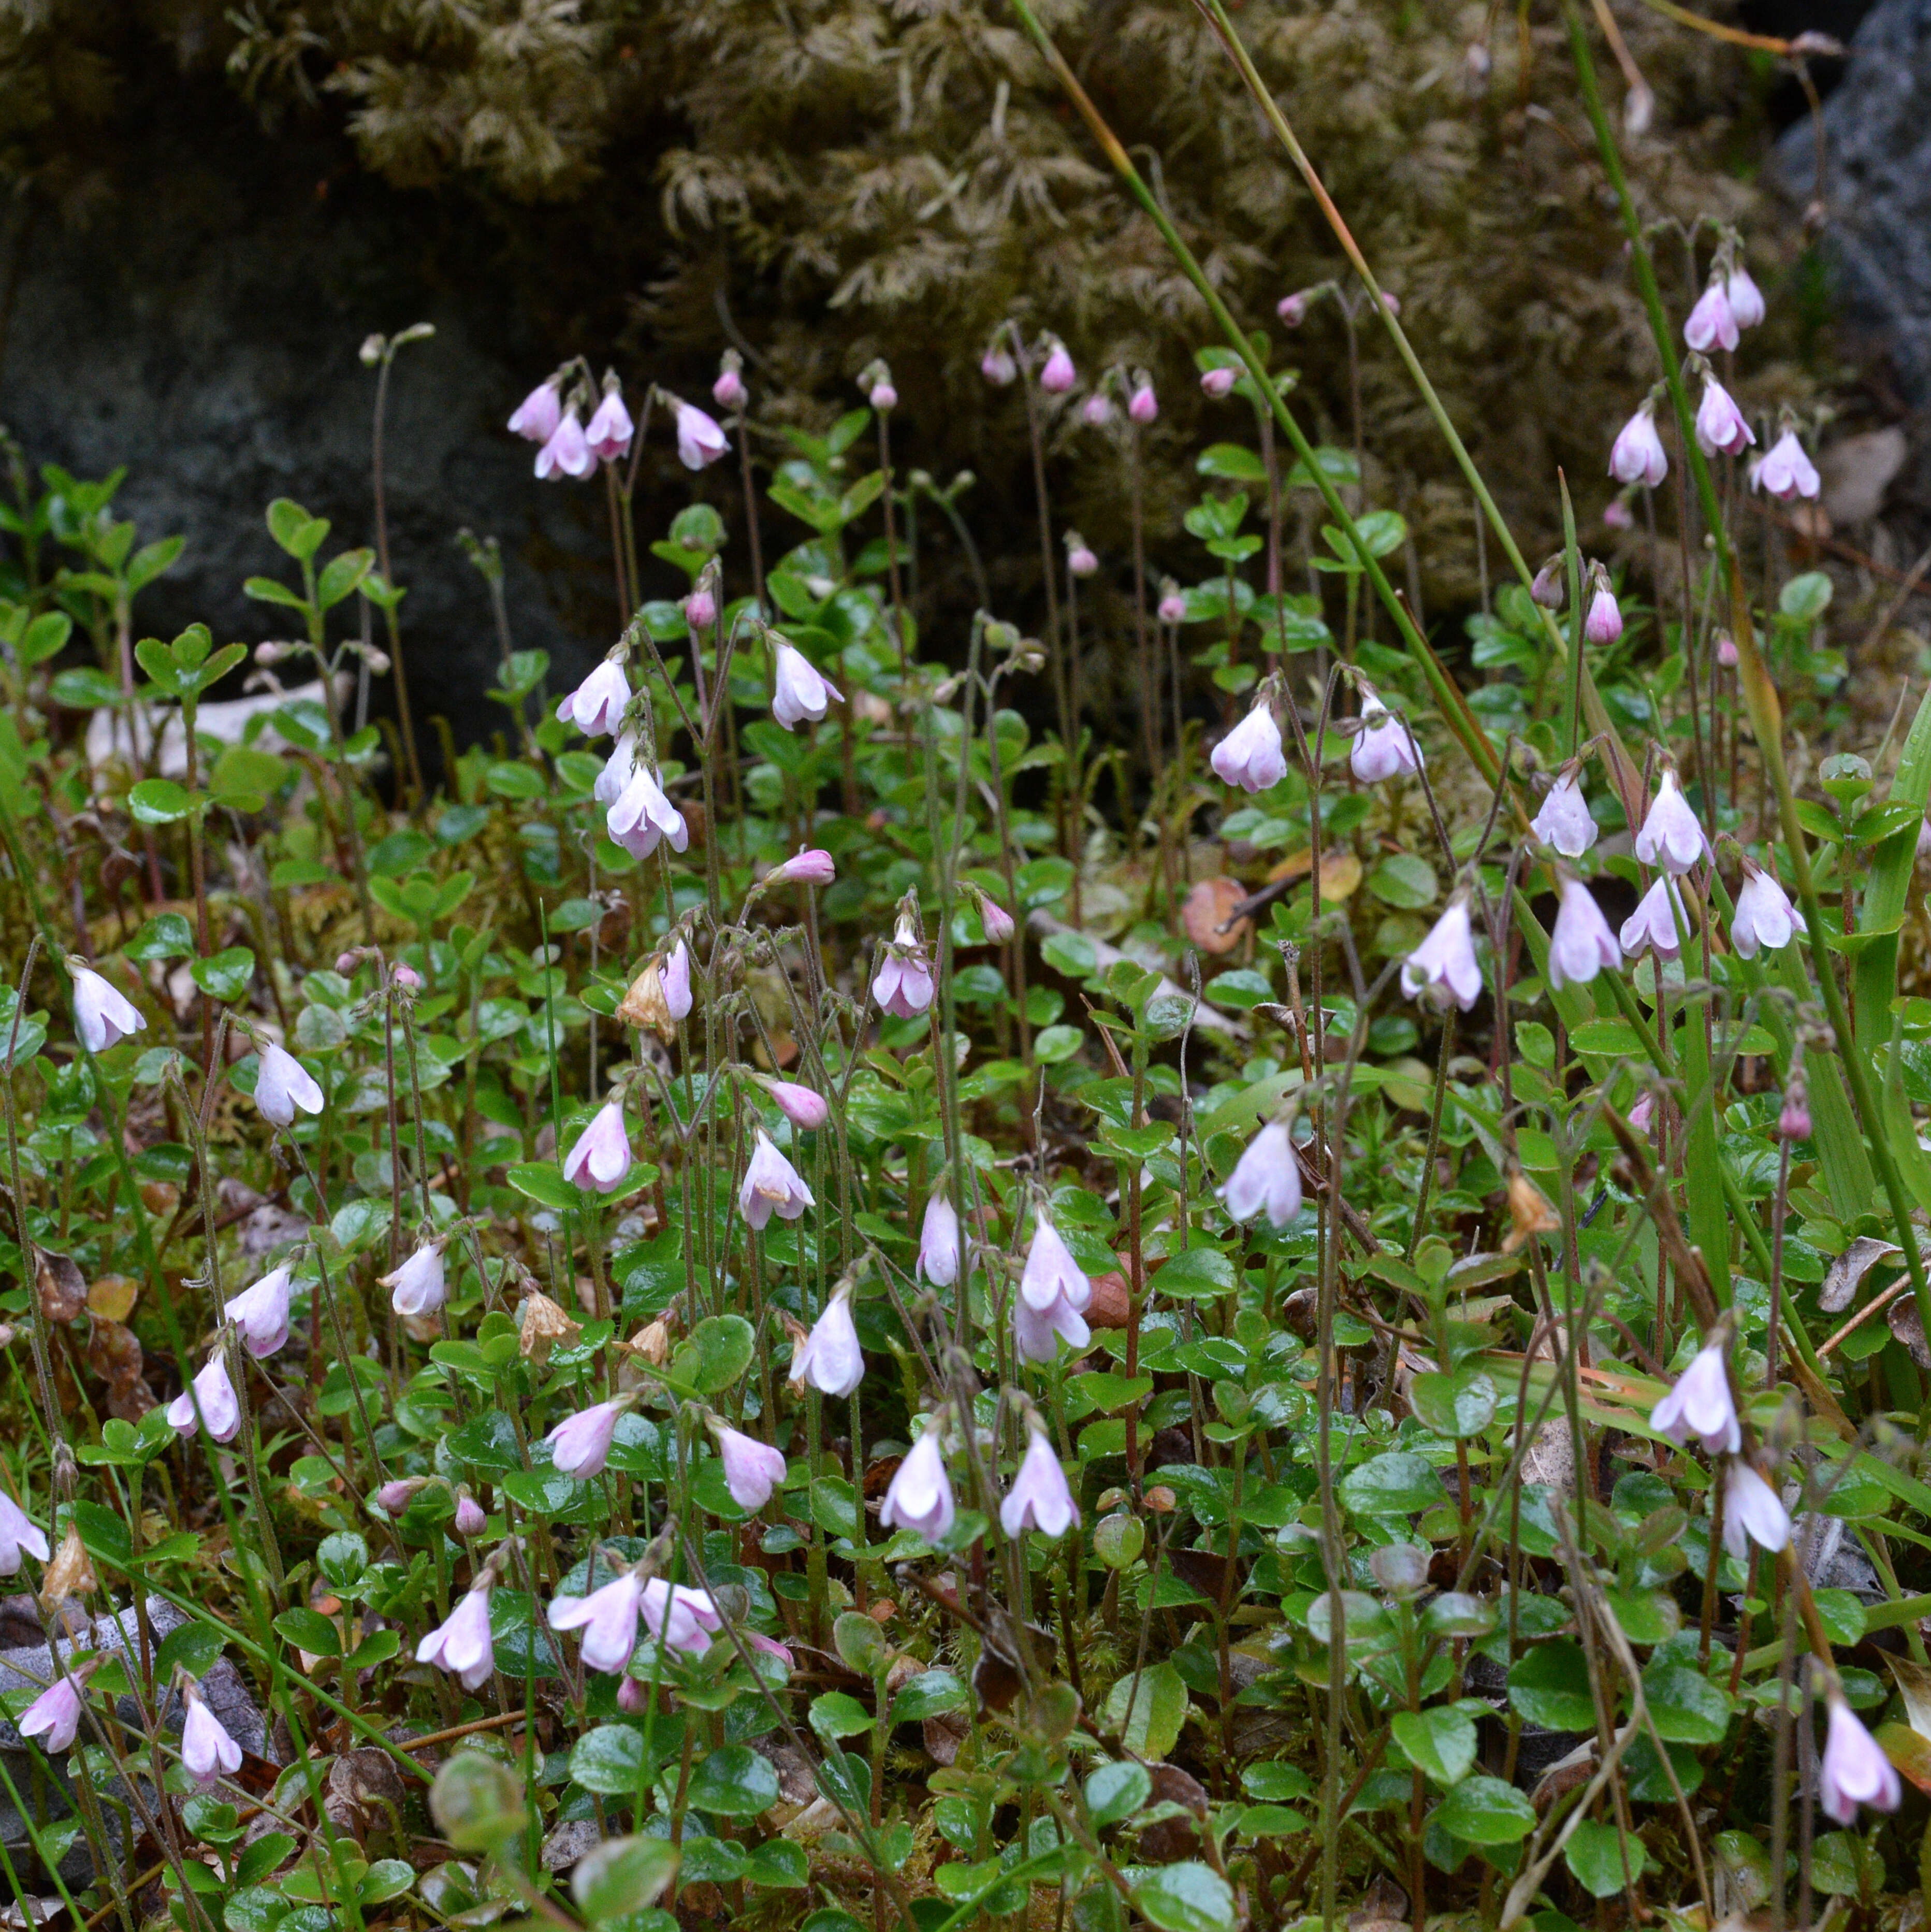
[470, 1518]
[1293, 309]
[1080, 560]
[1476, 66]
[700, 609]
[1550, 587]
[1618, 515]
[270, 651]
[997, 367]
[1142, 405]
[1726, 650]
[346, 963]
[407, 978]
[1391, 302]
[882, 396]
[1161, 1500]
[1217, 383]
[393, 1498]
[1793, 1122]
[1096, 411]
[1173, 608]
[371, 351]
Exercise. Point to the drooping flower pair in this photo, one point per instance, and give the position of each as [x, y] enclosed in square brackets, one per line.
[920, 1495]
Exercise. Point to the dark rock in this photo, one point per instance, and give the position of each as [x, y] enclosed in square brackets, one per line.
[205, 332]
[1877, 190]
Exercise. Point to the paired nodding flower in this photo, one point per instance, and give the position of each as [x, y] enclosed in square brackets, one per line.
[920, 1496]
[1053, 1296]
[830, 1359]
[771, 1185]
[903, 984]
[1266, 1179]
[1384, 747]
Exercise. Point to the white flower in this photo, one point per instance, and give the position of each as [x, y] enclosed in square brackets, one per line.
[102, 1014]
[206, 1749]
[939, 1241]
[580, 1445]
[463, 1645]
[261, 1313]
[920, 1496]
[1700, 1405]
[282, 1085]
[1753, 1512]
[1250, 755]
[1582, 944]
[220, 1409]
[642, 815]
[1053, 1296]
[1719, 423]
[1638, 455]
[903, 984]
[1563, 822]
[417, 1287]
[1711, 324]
[617, 769]
[1787, 471]
[771, 1185]
[1854, 1771]
[600, 1159]
[1670, 836]
[1384, 746]
[799, 691]
[1039, 1498]
[700, 440]
[596, 706]
[1443, 966]
[1654, 925]
[830, 1358]
[1266, 1179]
[1765, 916]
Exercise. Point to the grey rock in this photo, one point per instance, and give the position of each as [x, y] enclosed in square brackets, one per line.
[1877, 189]
[32, 1667]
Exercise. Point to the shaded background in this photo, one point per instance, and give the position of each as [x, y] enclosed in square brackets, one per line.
[208, 211]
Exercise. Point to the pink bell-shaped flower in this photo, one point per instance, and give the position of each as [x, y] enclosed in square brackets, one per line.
[1638, 455]
[220, 1407]
[903, 984]
[1053, 1296]
[1745, 299]
[1711, 325]
[1719, 423]
[418, 1286]
[1653, 926]
[601, 1158]
[1700, 1405]
[802, 1106]
[1444, 966]
[771, 1186]
[580, 1445]
[206, 1749]
[596, 706]
[1765, 916]
[1057, 374]
[752, 1469]
[462, 1644]
[920, 1496]
[799, 691]
[1563, 822]
[1786, 473]
[1142, 405]
[1582, 944]
[282, 1085]
[1670, 837]
[1753, 1512]
[54, 1716]
[262, 1313]
[102, 1016]
[1384, 748]
[1266, 1179]
[1039, 1498]
[700, 440]
[1604, 625]
[1216, 384]
[939, 1241]
[1855, 1770]
[18, 1532]
[539, 412]
[567, 451]
[1250, 756]
[607, 1617]
[610, 428]
[830, 1359]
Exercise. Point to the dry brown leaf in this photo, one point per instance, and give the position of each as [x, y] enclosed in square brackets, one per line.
[112, 1298]
[61, 1288]
[1209, 907]
[1842, 1277]
[71, 1572]
[542, 1324]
